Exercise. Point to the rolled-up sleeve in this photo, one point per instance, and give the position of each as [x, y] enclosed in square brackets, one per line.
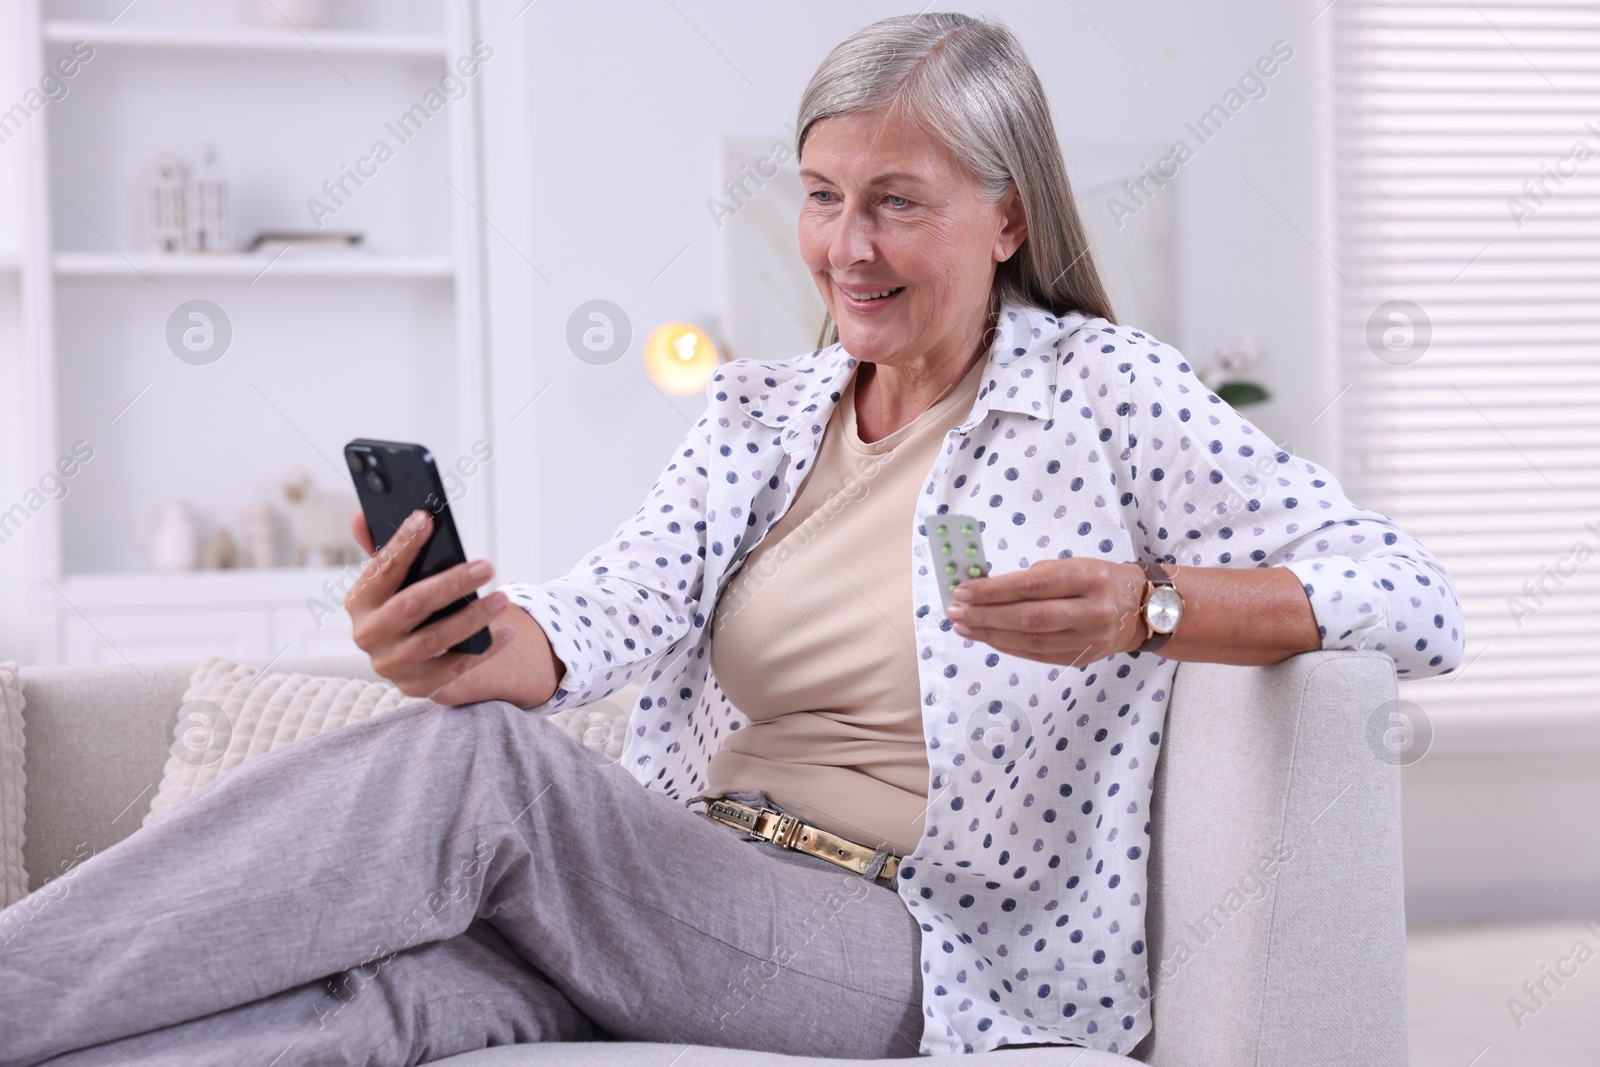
[624, 605]
[1212, 490]
[1352, 598]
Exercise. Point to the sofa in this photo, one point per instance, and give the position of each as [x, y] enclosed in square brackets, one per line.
[1276, 919]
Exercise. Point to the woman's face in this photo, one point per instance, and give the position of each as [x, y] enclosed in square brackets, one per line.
[888, 208]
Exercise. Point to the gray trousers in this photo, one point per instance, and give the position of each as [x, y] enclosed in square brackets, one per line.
[439, 879]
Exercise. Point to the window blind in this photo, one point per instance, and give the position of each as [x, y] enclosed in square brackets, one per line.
[1468, 171]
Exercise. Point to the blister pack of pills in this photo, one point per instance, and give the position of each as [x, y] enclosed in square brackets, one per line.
[957, 548]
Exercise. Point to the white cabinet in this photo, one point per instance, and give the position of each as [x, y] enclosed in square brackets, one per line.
[155, 637]
[304, 632]
[250, 614]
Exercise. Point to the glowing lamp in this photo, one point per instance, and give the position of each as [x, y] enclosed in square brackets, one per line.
[680, 358]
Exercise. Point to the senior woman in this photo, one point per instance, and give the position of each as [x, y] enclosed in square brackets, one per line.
[871, 825]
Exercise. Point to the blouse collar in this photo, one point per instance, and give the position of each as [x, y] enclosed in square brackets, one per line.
[1019, 376]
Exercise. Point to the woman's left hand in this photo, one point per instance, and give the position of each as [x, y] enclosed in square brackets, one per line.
[1069, 611]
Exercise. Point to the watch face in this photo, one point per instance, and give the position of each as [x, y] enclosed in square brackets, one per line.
[1164, 609]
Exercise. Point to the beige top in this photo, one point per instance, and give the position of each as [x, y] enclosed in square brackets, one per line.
[812, 637]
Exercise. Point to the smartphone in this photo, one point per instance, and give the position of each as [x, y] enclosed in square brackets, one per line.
[393, 479]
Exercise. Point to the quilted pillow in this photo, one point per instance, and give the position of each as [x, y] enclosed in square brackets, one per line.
[231, 712]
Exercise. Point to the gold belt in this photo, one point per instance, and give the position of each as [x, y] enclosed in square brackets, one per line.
[790, 832]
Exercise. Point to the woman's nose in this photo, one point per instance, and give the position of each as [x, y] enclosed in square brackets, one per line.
[852, 240]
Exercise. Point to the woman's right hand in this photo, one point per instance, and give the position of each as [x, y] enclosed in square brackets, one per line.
[519, 665]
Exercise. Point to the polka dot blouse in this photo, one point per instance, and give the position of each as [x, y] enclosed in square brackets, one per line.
[1086, 439]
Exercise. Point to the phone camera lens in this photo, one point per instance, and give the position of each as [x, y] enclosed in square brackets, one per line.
[376, 483]
[354, 461]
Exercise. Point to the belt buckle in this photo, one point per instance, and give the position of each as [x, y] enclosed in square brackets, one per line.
[784, 829]
[736, 814]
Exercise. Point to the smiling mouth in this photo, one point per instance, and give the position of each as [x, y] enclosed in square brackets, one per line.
[867, 295]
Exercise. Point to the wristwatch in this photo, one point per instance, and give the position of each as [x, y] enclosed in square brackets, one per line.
[1161, 610]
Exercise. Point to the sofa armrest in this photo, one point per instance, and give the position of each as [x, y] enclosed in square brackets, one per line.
[1277, 914]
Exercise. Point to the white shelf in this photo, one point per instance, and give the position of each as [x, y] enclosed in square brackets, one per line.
[249, 267]
[247, 39]
[221, 588]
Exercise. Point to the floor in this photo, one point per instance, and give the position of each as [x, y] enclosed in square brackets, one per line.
[1469, 1007]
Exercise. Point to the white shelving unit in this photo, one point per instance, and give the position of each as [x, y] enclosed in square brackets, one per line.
[178, 38]
[386, 342]
[139, 268]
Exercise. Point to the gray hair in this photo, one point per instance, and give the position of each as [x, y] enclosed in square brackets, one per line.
[968, 82]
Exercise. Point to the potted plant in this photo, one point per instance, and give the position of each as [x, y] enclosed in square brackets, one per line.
[1222, 370]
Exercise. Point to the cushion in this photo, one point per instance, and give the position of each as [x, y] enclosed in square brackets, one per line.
[13, 879]
[231, 712]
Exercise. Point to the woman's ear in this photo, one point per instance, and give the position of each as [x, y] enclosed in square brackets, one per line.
[1014, 226]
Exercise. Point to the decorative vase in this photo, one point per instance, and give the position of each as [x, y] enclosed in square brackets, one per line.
[220, 552]
[259, 529]
[176, 541]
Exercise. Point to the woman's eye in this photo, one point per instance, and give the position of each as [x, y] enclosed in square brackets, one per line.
[902, 200]
[821, 193]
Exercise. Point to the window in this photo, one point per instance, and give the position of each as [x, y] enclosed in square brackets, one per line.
[1468, 155]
